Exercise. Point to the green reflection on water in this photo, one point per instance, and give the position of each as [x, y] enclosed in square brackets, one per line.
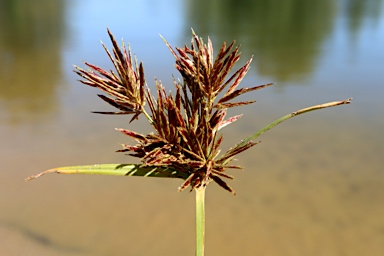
[286, 37]
[357, 11]
[30, 47]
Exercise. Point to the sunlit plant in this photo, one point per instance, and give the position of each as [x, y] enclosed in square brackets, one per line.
[186, 138]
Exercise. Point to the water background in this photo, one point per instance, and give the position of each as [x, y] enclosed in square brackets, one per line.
[314, 186]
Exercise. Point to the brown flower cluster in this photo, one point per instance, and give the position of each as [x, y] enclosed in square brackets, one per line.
[186, 124]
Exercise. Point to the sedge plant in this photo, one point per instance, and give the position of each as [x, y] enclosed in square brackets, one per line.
[186, 138]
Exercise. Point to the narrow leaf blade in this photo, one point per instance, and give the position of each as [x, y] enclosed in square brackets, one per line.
[293, 114]
[116, 170]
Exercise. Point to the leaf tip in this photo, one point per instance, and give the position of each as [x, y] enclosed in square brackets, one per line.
[40, 174]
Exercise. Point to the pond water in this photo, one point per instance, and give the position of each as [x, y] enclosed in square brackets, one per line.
[314, 186]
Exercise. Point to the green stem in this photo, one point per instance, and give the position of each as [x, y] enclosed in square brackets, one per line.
[200, 220]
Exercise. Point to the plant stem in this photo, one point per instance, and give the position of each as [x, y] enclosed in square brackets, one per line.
[200, 220]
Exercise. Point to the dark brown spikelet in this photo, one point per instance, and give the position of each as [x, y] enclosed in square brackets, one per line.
[201, 114]
[186, 124]
[125, 85]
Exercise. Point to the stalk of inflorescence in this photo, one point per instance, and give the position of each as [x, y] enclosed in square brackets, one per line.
[200, 220]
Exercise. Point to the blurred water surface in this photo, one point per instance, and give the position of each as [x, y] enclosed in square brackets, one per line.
[314, 186]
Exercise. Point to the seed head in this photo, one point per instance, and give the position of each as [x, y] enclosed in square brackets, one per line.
[187, 124]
